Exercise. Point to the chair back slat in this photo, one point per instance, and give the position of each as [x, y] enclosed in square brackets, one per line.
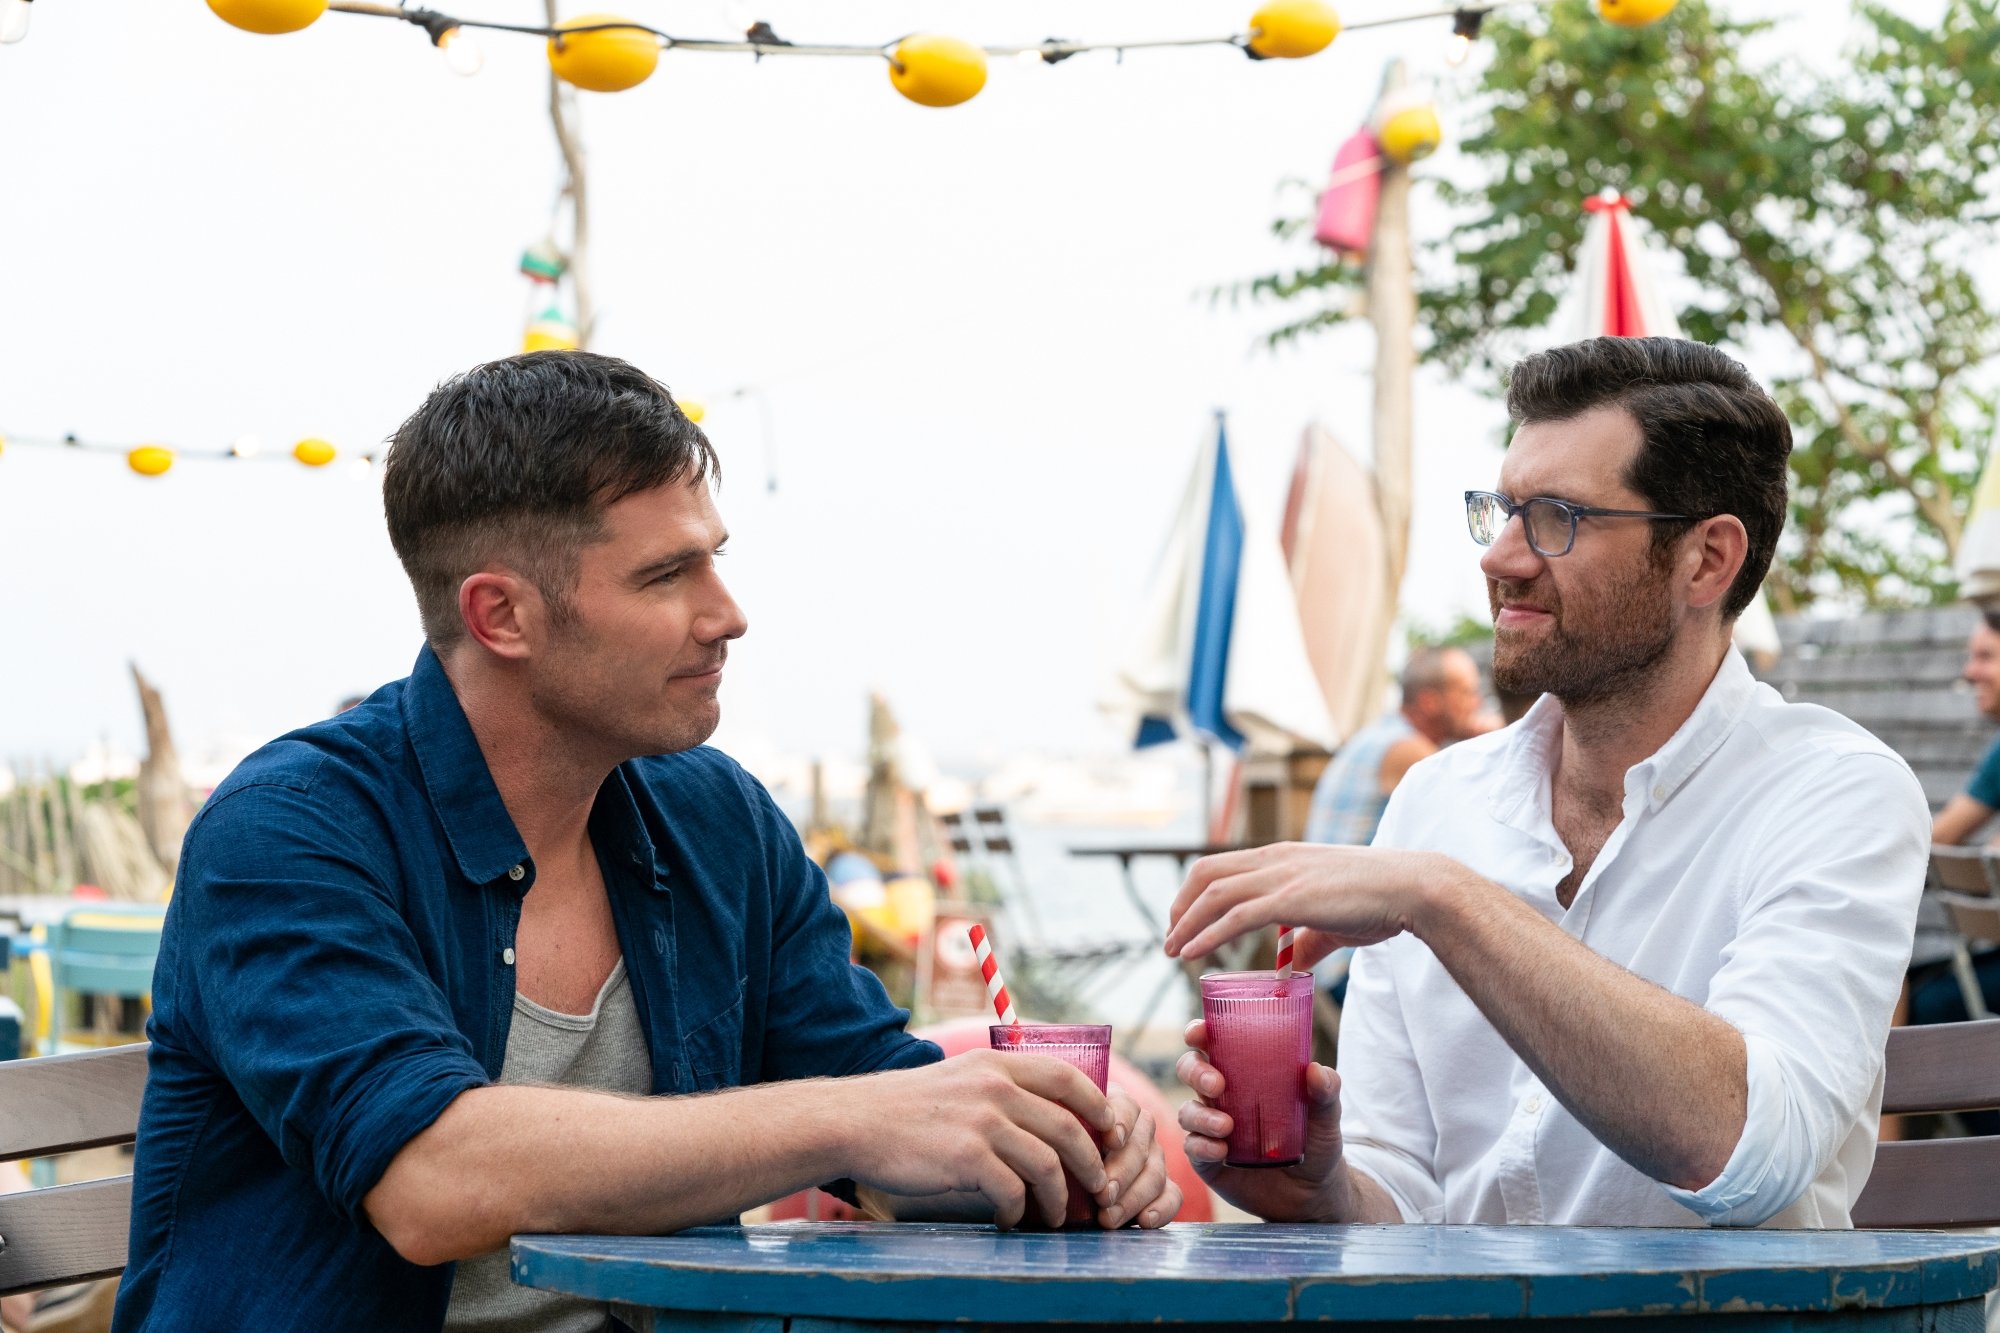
[65, 1103]
[70, 1233]
[1962, 869]
[1942, 1067]
[1933, 1183]
[1978, 919]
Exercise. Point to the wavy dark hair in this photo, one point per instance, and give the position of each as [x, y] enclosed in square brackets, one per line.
[513, 462]
[1713, 441]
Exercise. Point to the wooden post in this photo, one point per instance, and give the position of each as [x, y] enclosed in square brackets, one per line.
[562, 113]
[1392, 310]
[162, 793]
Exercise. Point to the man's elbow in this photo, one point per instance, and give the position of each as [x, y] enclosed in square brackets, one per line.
[427, 1225]
[409, 1228]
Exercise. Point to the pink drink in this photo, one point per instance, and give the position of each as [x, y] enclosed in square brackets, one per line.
[1260, 1039]
[1086, 1046]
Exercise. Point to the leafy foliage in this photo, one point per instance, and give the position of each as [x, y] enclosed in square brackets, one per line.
[1830, 224]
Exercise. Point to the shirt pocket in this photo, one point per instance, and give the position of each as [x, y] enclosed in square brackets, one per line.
[713, 1048]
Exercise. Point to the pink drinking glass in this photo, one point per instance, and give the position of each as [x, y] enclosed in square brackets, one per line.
[1085, 1046]
[1260, 1040]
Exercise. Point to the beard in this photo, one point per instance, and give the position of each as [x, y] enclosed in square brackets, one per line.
[1604, 645]
[620, 706]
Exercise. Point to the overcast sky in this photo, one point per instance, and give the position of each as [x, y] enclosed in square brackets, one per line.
[979, 331]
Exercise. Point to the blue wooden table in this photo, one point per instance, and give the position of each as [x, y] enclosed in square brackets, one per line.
[848, 1277]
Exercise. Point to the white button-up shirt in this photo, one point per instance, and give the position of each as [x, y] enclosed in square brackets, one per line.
[1767, 868]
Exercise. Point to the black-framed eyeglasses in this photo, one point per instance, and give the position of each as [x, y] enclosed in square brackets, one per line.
[1550, 523]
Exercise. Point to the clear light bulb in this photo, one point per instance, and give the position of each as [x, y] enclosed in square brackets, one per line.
[246, 446]
[362, 469]
[1457, 49]
[14, 16]
[1031, 56]
[461, 54]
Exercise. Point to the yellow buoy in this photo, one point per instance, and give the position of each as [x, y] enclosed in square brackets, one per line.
[609, 60]
[937, 71]
[1291, 29]
[150, 460]
[1635, 13]
[693, 409]
[551, 332]
[268, 16]
[313, 452]
[1406, 125]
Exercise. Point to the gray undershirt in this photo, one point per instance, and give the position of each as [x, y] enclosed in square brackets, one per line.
[603, 1049]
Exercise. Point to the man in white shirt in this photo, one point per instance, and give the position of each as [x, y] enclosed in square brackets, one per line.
[1632, 960]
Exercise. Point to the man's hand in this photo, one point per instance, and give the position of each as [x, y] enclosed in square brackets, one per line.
[1334, 896]
[1138, 1187]
[1310, 1191]
[983, 1129]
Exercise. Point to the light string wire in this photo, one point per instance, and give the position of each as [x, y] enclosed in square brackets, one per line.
[436, 23]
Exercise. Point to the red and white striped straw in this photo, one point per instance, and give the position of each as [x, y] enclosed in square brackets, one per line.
[1284, 952]
[996, 989]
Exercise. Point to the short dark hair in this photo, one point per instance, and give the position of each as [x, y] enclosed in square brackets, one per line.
[515, 460]
[1713, 442]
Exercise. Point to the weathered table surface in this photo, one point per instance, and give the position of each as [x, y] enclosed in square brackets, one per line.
[824, 1276]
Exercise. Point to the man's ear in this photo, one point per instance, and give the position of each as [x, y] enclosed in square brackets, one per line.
[1719, 546]
[502, 611]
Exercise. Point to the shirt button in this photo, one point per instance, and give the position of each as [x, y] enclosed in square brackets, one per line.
[507, 957]
[1533, 1104]
[1659, 793]
[516, 872]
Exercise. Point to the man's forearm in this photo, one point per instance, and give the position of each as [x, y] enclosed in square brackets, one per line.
[506, 1159]
[1658, 1079]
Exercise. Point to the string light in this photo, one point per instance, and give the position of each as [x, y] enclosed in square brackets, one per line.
[606, 53]
[153, 459]
[14, 16]
[461, 54]
[1464, 32]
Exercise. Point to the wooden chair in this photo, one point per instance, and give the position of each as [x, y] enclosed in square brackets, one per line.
[1937, 1182]
[1964, 880]
[66, 1103]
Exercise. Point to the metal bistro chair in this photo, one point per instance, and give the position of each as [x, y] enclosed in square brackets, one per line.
[1937, 1182]
[1963, 882]
[66, 1103]
[104, 950]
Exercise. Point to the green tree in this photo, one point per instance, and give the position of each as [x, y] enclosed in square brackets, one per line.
[1830, 223]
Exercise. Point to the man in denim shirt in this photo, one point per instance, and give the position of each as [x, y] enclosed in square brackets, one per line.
[418, 951]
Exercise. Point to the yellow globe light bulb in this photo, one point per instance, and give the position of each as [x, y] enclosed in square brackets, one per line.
[150, 460]
[3, 446]
[693, 409]
[1411, 133]
[268, 16]
[1635, 13]
[1293, 29]
[937, 71]
[609, 60]
[313, 452]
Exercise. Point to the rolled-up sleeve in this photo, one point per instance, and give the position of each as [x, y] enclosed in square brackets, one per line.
[1811, 978]
[308, 992]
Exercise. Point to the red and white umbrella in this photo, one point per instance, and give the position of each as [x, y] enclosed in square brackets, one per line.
[1615, 293]
[1616, 296]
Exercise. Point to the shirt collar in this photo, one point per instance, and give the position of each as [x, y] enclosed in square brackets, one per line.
[1531, 751]
[476, 823]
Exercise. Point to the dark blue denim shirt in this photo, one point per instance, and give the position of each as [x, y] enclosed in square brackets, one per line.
[336, 969]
